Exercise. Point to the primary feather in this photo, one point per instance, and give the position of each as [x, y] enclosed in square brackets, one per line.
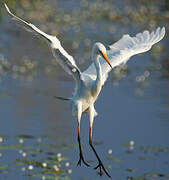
[62, 57]
[121, 51]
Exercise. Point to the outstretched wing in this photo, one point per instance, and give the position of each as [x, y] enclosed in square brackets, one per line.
[121, 51]
[65, 60]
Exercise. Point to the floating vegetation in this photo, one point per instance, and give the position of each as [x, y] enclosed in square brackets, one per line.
[3, 170]
[33, 161]
[157, 175]
[13, 147]
[58, 159]
[78, 25]
[151, 148]
[25, 136]
[146, 149]
[149, 176]
[130, 146]
[50, 177]
[131, 170]
[45, 161]
[115, 159]
[146, 158]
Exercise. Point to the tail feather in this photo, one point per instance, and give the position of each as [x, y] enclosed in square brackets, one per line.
[62, 98]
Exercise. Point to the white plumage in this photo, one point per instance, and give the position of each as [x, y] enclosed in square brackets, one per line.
[89, 83]
[121, 51]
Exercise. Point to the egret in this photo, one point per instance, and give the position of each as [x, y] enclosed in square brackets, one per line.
[89, 83]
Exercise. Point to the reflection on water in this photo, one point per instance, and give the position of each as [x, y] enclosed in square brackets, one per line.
[38, 132]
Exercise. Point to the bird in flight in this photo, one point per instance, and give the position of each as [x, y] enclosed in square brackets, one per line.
[89, 83]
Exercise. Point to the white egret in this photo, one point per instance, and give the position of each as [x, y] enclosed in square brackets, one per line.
[89, 83]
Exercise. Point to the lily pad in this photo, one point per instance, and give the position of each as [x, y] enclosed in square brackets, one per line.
[13, 146]
[2, 167]
[50, 176]
[25, 136]
[115, 159]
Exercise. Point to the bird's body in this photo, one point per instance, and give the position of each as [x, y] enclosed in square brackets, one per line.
[88, 84]
[87, 94]
[88, 89]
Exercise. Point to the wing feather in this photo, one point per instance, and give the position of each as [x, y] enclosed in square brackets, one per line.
[121, 51]
[65, 60]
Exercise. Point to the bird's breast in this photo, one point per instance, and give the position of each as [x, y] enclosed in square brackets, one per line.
[87, 94]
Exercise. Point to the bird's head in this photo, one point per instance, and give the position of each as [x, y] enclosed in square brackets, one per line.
[100, 50]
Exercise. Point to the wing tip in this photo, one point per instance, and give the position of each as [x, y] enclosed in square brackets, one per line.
[161, 31]
[7, 8]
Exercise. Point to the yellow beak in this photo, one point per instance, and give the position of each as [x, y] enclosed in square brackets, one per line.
[105, 57]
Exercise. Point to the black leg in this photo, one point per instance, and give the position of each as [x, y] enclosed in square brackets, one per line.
[100, 164]
[81, 158]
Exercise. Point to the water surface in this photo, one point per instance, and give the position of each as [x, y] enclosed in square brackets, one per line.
[131, 131]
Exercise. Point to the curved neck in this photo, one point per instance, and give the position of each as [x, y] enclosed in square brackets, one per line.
[98, 69]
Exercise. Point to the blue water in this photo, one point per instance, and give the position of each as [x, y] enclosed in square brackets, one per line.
[128, 111]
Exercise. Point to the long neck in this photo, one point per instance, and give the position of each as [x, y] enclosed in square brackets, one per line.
[98, 69]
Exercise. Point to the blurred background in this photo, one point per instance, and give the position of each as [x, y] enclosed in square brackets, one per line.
[38, 135]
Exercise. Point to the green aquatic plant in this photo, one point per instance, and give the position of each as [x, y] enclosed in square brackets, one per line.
[115, 159]
[13, 147]
[34, 160]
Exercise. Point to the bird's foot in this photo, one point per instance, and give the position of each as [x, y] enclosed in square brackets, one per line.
[101, 167]
[81, 159]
